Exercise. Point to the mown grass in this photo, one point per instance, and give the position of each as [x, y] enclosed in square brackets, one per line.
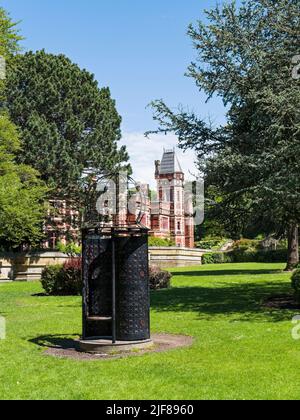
[241, 350]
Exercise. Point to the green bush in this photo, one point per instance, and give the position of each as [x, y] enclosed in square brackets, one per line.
[211, 243]
[63, 280]
[244, 256]
[160, 242]
[239, 256]
[216, 258]
[50, 277]
[249, 245]
[71, 249]
[296, 283]
[208, 259]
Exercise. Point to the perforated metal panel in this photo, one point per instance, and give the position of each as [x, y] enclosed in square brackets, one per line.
[132, 296]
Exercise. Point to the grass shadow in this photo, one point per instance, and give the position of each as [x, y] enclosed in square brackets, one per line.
[55, 341]
[243, 301]
[214, 273]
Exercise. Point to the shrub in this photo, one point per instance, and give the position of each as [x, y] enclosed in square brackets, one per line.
[247, 245]
[73, 264]
[240, 256]
[258, 256]
[244, 256]
[208, 259]
[71, 249]
[296, 283]
[211, 243]
[50, 276]
[72, 277]
[63, 280]
[160, 242]
[216, 258]
[159, 279]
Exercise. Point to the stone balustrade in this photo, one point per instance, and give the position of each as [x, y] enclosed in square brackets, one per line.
[168, 257]
[27, 267]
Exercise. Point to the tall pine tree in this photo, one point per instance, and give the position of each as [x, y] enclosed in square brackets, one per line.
[67, 122]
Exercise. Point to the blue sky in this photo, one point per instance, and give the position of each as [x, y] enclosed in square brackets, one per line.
[139, 48]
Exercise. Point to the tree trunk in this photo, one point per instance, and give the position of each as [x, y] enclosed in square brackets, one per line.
[293, 248]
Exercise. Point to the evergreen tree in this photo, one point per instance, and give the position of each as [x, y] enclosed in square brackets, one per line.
[245, 55]
[67, 122]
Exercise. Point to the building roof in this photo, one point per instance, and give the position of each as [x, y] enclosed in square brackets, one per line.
[170, 163]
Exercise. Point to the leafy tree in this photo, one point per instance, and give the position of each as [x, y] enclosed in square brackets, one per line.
[21, 194]
[245, 57]
[9, 42]
[67, 122]
[9, 35]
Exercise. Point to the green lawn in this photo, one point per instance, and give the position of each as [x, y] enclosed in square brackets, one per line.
[241, 351]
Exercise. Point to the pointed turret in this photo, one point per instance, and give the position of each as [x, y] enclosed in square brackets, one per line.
[170, 163]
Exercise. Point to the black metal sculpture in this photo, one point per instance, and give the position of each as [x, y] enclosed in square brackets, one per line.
[116, 297]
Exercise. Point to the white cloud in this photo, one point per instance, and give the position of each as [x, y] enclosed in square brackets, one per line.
[143, 152]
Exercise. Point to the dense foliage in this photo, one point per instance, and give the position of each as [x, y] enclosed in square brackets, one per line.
[216, 258]
[211, 243]
[63, 280]
[245, 256]
[22, 194]
[160, 242]
[72, 249]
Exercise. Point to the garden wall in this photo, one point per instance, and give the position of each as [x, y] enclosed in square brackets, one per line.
[165, 257]
[27, 267]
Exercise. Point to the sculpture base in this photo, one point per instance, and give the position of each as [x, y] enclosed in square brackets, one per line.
[105, 346]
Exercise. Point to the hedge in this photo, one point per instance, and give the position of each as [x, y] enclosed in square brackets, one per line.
[63, 280]
[216, 258]
[160, 242]
[259, 256]
[240, 256]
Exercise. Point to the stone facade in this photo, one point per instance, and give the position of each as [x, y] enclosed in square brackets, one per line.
[27, 266]
[62, 223]
[172, 213]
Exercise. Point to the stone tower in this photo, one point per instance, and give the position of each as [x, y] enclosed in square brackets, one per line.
[169, 217]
